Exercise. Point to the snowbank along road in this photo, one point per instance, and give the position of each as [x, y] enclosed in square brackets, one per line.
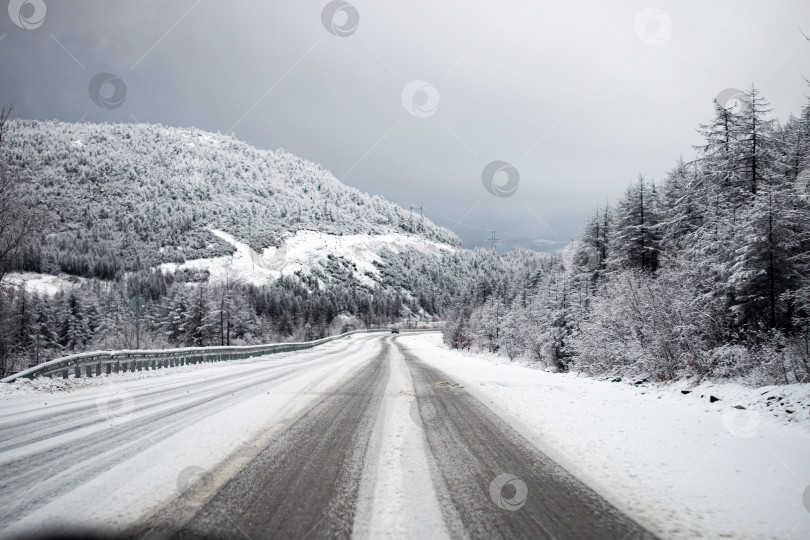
[358, 438]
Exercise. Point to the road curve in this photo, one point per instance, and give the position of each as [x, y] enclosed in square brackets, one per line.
[486, 479]
[394, 448]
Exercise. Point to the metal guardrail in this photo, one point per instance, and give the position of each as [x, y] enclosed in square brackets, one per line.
[107, 362]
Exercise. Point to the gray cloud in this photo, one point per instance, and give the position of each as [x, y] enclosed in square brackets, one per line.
[568, 93]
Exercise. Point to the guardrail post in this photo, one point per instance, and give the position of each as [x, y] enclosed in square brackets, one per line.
[117, 367]
[78, 371]
[98, 369]
[88, 370]
[64, 373]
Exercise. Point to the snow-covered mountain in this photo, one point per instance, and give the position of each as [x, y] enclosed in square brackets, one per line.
[134, 196]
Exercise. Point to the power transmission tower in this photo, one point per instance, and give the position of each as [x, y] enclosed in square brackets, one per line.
[421, 220]
[493, 241]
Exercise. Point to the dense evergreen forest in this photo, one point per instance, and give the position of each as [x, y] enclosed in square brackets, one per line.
[703, 274]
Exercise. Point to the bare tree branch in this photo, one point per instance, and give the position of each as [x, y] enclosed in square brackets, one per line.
[19, 223]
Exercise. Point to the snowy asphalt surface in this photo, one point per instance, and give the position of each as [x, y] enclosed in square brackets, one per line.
[393, 448]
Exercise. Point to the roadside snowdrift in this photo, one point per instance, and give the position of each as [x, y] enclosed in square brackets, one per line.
[681, 465]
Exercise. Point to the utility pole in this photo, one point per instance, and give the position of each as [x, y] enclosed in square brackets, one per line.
[493, 241]
[137, 304]
[496, 312]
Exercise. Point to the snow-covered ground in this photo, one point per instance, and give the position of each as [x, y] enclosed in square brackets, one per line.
[42, 284]
[681, 465]
[302, 251]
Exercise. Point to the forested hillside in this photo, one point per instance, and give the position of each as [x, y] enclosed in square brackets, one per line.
[131, 196]
[704, 273]
[117, 201]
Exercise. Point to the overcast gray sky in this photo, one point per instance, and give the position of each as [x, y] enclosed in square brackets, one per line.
[578, 97]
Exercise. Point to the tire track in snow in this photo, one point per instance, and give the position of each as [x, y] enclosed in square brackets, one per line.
[397, 498]
[471, 451]
[306, 481]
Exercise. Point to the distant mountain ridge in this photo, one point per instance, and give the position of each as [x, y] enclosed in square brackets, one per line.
[133, 196]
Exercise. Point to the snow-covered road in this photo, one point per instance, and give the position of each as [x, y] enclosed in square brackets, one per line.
[356, 463]
[373, 436]
[114, 449]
